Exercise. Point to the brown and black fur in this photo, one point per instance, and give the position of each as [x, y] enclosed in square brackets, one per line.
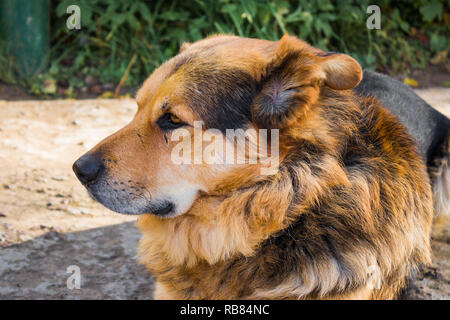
[429, 128]
[351, 192]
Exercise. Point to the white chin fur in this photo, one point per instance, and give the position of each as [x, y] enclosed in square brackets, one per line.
[181, 195]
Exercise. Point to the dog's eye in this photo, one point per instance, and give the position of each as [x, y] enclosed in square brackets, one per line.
[174, 119]
[169, 121]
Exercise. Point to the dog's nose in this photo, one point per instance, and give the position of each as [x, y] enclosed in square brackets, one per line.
[88, 167]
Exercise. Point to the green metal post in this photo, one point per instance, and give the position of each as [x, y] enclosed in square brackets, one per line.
[25, 29]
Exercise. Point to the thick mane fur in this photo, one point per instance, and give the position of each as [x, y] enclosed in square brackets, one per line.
[347, 211]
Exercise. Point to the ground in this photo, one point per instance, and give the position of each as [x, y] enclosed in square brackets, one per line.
[48, 223]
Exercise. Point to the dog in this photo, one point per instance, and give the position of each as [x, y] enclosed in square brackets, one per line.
[347, 214]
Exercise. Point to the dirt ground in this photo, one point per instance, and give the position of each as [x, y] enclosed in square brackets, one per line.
[48, 222]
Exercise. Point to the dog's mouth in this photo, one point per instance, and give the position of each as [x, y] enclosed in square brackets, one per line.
[123, 202]
[164, 210]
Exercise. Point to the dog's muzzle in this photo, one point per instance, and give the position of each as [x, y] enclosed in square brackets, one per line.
[91, 172]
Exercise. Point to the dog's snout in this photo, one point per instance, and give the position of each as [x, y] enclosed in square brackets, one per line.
[88, 167]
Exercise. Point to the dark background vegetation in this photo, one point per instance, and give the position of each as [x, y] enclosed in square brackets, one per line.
[123, 41]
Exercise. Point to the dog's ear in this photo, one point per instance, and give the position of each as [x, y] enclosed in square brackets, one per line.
[292, 79]
[184, 46]
[342, 72]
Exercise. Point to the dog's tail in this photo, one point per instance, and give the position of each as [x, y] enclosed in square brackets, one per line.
[440, 178]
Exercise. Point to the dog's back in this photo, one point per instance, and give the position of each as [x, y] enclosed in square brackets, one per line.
[430, 129]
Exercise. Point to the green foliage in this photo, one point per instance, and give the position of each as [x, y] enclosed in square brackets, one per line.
[8, 68]
[412, 31]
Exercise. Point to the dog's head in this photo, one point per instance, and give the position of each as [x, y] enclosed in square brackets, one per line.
[224, 83]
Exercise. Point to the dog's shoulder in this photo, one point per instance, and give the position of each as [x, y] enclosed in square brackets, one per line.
[427, 126]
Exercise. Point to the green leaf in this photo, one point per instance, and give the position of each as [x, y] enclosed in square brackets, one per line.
[431, 11]
[174, 16]
[405, 26]
[437, 42]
